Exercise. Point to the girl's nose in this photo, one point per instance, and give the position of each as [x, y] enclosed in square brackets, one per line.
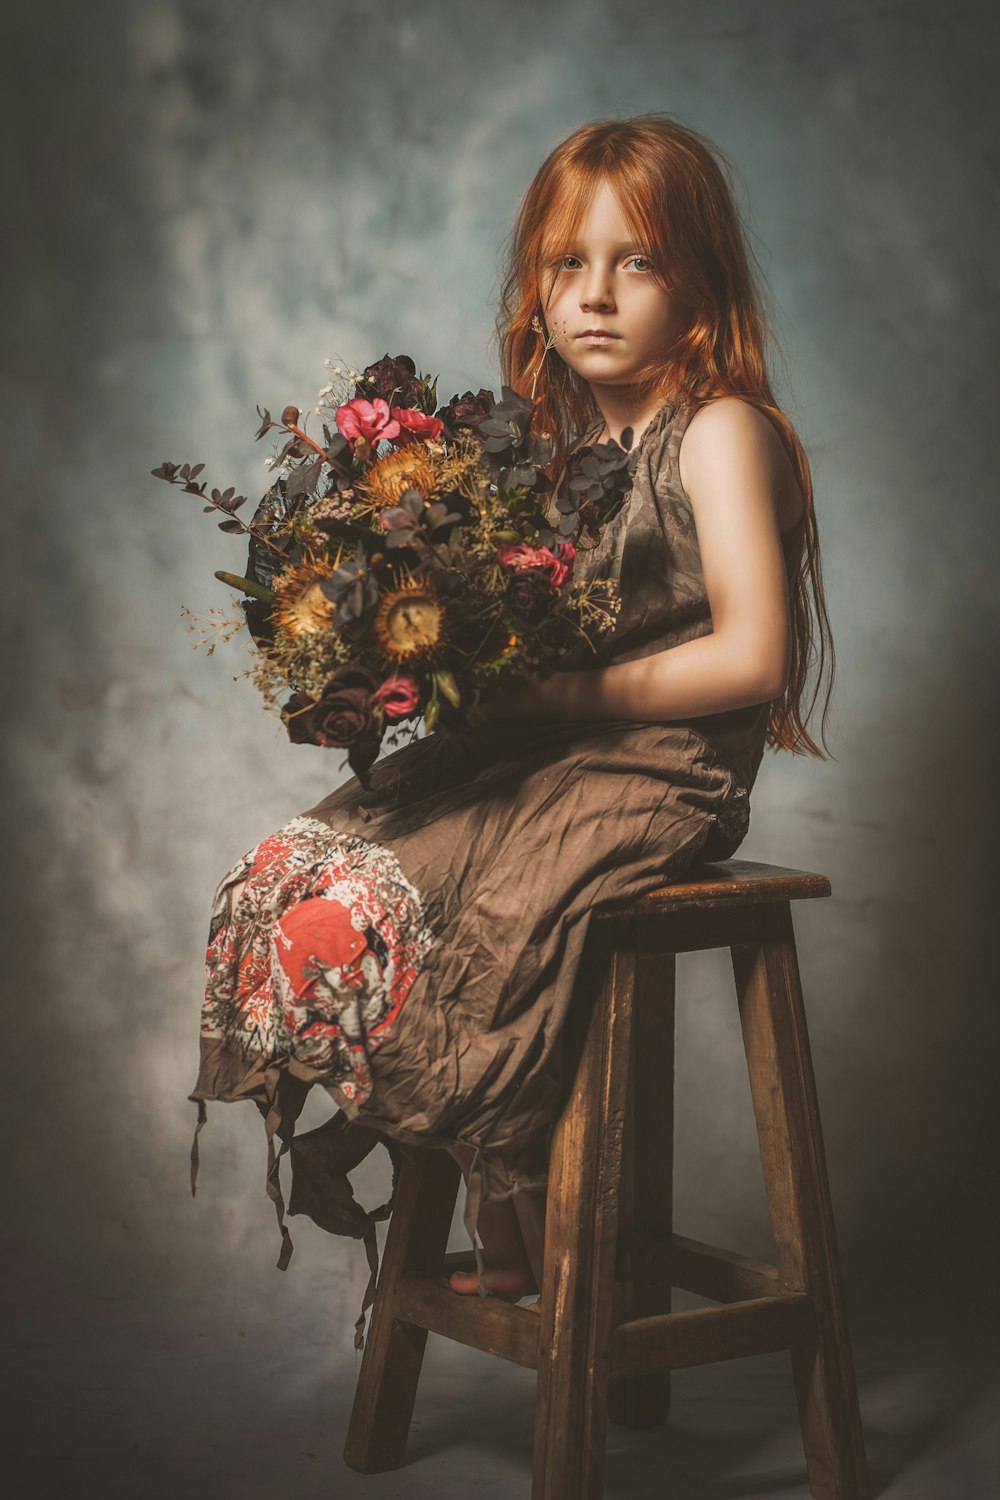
[596, 297]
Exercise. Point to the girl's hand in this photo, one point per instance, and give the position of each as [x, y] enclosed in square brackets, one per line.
[538, 695]
[512, 698]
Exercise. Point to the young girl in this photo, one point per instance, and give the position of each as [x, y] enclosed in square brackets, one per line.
[435, 923]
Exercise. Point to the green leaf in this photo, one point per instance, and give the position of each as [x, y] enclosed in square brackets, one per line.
[431, 713]
[247, 586]
[445, 681]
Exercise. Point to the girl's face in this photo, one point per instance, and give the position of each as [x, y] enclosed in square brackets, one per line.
[603, 281]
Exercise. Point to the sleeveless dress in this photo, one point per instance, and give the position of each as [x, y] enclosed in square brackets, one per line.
[412, 948]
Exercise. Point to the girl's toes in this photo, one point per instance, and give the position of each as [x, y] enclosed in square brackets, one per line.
[510, 1285]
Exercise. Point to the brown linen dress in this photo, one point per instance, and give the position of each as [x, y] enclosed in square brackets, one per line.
[493, 858]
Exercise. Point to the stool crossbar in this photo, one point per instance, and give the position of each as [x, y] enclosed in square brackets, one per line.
[606, 1340]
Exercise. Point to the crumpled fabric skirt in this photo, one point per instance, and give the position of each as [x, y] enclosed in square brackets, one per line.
[413, 949]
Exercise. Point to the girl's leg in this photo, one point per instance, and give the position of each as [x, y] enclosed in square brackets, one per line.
[530, 1209]
[511, 1272]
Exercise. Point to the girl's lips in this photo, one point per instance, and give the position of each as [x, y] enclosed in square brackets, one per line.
[598, 338]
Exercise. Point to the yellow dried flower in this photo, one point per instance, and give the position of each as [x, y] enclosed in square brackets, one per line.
[408, 468]
[302, 606]
[410, 621]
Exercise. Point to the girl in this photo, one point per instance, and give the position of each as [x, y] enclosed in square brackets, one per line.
[413, 949]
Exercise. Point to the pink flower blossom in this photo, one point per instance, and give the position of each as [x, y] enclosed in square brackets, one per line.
[416, 424]
[369, 420]
[399, 696]
[520, 555]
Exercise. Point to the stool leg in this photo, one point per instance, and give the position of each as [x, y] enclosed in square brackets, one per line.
[795, 1176]
[581, 1227]
[390, 1368]
[646, 1202]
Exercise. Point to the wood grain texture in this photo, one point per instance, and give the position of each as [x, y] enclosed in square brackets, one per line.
[606, 1337]
[647, 1183]
[730, 882]
[783, 1088]
[394, 1350]
[722, 1275]
[707, 1334]
[487, 1323]
[574, 1349]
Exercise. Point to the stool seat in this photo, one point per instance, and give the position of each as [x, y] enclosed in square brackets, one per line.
[605, 1340]
[729, 882]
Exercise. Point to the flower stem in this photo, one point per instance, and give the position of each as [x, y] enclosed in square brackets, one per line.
[291, 427]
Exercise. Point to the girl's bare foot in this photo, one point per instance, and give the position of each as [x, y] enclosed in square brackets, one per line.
[510, 1285]
[511, 1273]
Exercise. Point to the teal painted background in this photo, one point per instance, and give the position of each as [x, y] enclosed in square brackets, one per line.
[205, 201]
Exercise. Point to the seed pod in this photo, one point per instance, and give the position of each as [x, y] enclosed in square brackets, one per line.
[290, 416]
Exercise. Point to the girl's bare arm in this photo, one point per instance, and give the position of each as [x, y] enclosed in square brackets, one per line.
[738, 478]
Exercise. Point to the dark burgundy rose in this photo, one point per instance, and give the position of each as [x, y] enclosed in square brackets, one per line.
[341, 715]
[297, 717]
[340, 719]
[530, 595]
[395, 380]
[464, 413]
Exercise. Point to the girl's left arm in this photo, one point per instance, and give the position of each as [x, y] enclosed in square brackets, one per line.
[733, 468]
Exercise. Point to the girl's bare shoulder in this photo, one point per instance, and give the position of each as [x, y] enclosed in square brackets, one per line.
[729, 440]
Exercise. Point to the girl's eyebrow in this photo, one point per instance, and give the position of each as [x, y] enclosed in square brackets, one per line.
[619, 249]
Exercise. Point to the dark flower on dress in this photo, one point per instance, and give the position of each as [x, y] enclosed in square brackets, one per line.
[394, 380]
[530, 595]
[505, 428]
[465, 413]
[597, 480]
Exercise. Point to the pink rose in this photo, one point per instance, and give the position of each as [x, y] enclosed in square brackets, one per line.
[369, 420]
[562, 563]
[399, 696]
[416, 424]
[558, 567]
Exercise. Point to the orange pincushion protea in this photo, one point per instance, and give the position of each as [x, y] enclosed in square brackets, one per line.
[302, 607]
[410, 622]
[408, 468]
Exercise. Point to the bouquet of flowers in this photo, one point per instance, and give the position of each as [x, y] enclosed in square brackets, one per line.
[410, 556]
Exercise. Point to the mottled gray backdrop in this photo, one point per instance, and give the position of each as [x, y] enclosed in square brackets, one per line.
[202, 203]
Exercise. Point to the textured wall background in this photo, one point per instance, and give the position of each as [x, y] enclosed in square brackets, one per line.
[207, 200]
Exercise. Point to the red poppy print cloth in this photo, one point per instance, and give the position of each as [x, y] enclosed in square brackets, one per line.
[317, 957]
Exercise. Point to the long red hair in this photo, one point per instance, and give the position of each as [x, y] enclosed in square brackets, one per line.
[675, 191]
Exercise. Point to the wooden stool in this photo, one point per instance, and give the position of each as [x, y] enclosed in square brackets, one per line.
[605, 1340]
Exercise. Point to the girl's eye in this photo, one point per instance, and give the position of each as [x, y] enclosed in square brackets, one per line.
[645, 263]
